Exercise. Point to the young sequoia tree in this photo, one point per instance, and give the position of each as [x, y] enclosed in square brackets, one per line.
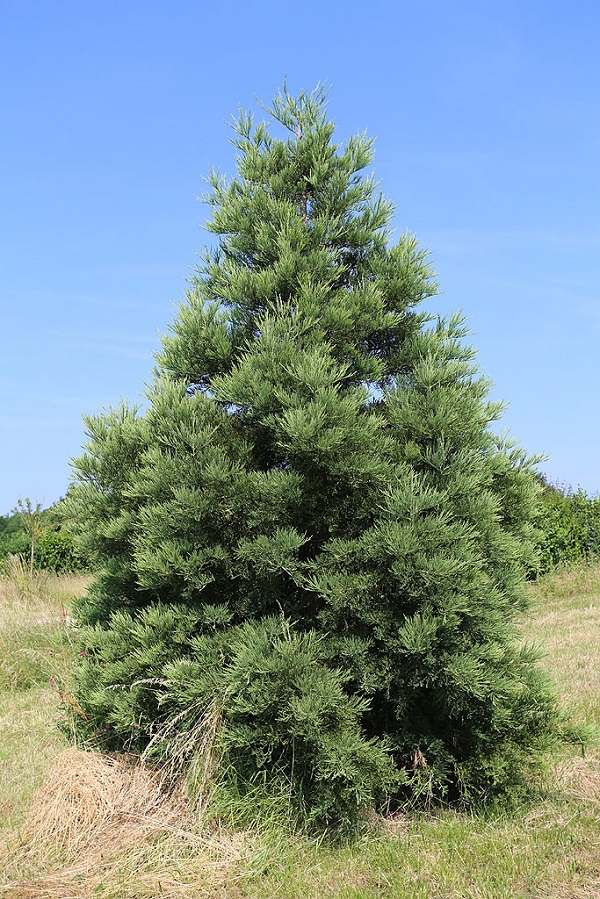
[311, 546]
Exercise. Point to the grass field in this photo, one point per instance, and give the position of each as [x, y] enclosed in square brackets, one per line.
[74, 824]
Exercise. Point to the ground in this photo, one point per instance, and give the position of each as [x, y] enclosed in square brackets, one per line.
[76, 824]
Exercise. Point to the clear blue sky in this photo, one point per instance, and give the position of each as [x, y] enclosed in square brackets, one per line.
[488, 141]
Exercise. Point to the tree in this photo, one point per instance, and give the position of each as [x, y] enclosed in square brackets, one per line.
[42, 534]
[312, 544]
[13, 539]
[32, 522]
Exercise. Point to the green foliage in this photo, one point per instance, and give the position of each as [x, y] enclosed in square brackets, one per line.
[55, 551]
[152, 679]
[569, 525]
[54, 546]
[321, 540]
[13, 537]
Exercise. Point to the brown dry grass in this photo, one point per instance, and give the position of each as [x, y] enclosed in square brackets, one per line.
[114, 826]
[580, 778]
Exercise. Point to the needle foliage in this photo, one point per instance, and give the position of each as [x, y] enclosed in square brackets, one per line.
[311, 545]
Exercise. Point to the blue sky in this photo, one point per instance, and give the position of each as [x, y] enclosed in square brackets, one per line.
[488, 140]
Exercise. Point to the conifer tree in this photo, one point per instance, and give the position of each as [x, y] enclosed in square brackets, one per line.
[312, 545]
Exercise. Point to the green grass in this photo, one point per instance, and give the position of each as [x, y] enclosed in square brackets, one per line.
[29, 741]
[34, 647]
[545, 848]
[446, 855]
[567, 623]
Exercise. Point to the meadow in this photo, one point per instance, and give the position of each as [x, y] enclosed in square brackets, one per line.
[76, 824]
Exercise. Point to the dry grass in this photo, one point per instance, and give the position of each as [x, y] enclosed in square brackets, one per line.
[115, 828]
[29, 742]
[88, 793]
[579, 580]
[34, 642]
[32, 599]
[34, 647]
[567, 623]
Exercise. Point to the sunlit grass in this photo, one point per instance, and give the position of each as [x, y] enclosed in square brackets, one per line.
[140, 842]
[34, 640]
[567, 623]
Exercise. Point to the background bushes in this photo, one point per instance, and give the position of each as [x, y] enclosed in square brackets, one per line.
[55, 548]
[569, 526]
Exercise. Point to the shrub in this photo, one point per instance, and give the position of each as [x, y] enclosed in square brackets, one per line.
[54, 546]
[569, 524]
[56, 551]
